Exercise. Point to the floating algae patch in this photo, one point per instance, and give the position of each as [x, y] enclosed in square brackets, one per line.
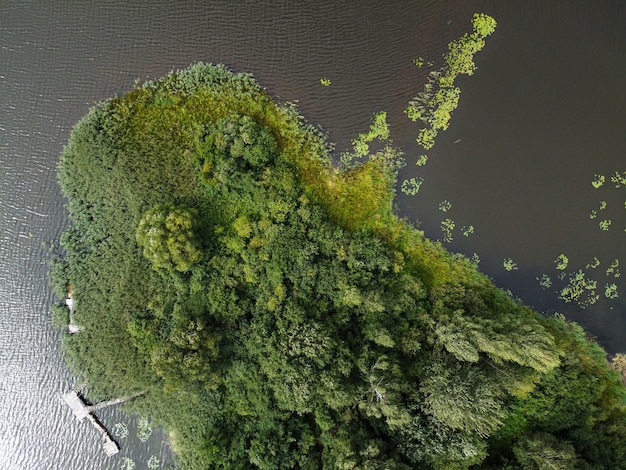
[421, 160]
[120, 430]
[545, 281]
[619, 179]
[445, 206]
[613, 268]
[153, 462]
[561, 261]
[436, 103]
[580, 289]
[467, 230]
[593, 214]
[598, 180]
[610, 291]
[509, 264]
[605, 225]
[594, 264]
[475, 259]
[144, 429]
[379, 129]
[411, 186]
[127, 464]
[447, 226]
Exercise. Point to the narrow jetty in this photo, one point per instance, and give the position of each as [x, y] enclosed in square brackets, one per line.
[81, 410]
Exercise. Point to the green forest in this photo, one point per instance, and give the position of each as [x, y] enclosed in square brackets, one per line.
[276, 313]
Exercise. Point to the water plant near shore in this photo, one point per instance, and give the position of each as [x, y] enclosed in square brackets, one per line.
[120, 430]
[447, 227]
[580, 289]
[378, 130]
[144, 429]
[127, 463]
[435, 104]
[153, 462]
[411, 186]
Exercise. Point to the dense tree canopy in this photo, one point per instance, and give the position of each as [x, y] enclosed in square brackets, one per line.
[279, 315]
[166, 234]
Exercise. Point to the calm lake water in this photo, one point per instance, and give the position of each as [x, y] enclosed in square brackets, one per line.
[542, 115]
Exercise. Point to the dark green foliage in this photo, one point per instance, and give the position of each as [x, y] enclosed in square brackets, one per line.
[291, 320]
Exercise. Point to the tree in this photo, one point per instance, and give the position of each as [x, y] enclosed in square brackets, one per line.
[543, 451]
[167, 235]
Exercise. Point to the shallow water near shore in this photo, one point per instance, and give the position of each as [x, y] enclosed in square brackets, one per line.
[540, 117]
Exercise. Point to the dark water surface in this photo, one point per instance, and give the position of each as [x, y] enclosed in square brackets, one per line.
[543, 113]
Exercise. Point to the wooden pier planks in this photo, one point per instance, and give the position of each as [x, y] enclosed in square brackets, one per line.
[82, 411]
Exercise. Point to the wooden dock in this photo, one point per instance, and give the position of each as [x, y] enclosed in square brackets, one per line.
[81, 410]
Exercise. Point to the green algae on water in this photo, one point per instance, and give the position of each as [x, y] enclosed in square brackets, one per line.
[509, 264]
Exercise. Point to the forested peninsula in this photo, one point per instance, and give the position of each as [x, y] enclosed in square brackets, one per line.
[278, 314]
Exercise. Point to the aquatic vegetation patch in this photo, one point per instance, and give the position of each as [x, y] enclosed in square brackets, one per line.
[411, 186]
[325, 81]
[580, 289]
[594, 264]
[445, 206]
[120, 430]
[447, 226]
[144, 429]
[153, 463]
[436, 103]
[605, 225]
[467, 230]
[561, 261]
[610, 291]
[613, 269]
[593, 214]
[509, 264]
[127, 463]
[598, 180]
[419, 62]
[619, 179]
[475, 259]
[422, 159]
[544, 281]
[602, 205]
[379, 129]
